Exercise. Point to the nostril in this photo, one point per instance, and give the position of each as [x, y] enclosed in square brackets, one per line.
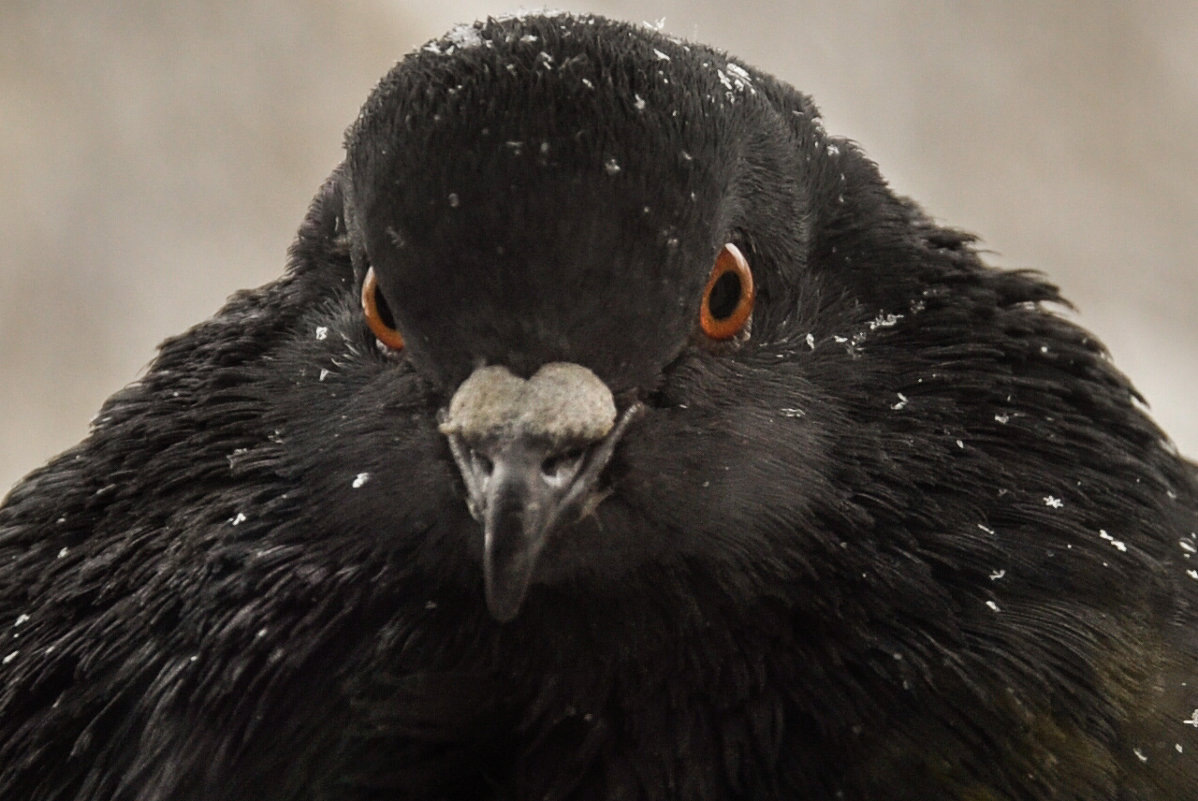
[559, 467]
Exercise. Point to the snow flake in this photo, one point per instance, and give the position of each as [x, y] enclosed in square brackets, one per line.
[1117, 543]
[660, 55]
[360, 479]
[464, 36]
[792, 412]
[611, 166]
[1055, 503]
[997, 574]
[1002, 418]
[902, 400]
[986, 529]
[62, 552]
[810, 339]
[323, 374]
[587, 83]
[454, 200]
[832, 150]
[638, 103]
[993, 606]
[1179, 748]
[1187, 546]
[322, 332]
[1192, 720]
[1192, 574]
[238, 519]
[11, 657]
[21, 619]
[884, 321]
[1139, 754]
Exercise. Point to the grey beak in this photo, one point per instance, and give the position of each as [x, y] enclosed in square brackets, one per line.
[530, 453]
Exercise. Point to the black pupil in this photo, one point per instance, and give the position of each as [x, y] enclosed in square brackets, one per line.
[380, 304]
[724, 296]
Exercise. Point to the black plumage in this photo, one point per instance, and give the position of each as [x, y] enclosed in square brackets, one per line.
[905, 534]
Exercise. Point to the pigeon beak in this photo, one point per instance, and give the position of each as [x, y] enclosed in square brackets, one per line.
[530, 452]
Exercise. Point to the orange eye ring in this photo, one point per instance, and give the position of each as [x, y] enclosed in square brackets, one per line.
[728, 298]
[378, 316]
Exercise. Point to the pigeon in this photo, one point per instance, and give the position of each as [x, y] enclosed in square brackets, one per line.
[614, 432]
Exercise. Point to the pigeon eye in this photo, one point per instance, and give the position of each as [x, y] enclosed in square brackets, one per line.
[378, 315]
[728, 298]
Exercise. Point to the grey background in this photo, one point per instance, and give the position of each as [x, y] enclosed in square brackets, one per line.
[156, 157]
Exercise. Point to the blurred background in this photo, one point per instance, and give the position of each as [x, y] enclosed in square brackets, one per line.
[157, 156]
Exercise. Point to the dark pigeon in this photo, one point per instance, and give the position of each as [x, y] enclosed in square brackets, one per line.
[614, 433]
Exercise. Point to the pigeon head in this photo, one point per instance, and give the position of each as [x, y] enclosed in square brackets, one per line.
[594, 220]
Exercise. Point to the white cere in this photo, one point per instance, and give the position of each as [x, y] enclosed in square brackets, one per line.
[1117, 543]
[360, 479]
[322, 332]
[1053, 502]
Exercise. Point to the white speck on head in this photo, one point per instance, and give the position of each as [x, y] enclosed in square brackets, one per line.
[687, 157]
[21, 619]
[611, 166]
[322, 332]
[1179, 748]
[430, 605]
[1055, 503]
[587, 83]
[323, 374]
[993, 606]
[811, 341]
[11, 657]
[63, 552]
[238, 519]
[960, 444]
[1002, 418]
[193, 658]
[657, 26]
[360, 479]
[454, 200]
[660, 55]
[638, 103]
[1192, 574]
[516, 147]
[986, 529]
[1139, 754]
[902, 399]
[793, 412]
[529, 38]
[997, 574]
[261, 632]
[1192, 720]
[1187, 545]
[832, 150]
[464, 36]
